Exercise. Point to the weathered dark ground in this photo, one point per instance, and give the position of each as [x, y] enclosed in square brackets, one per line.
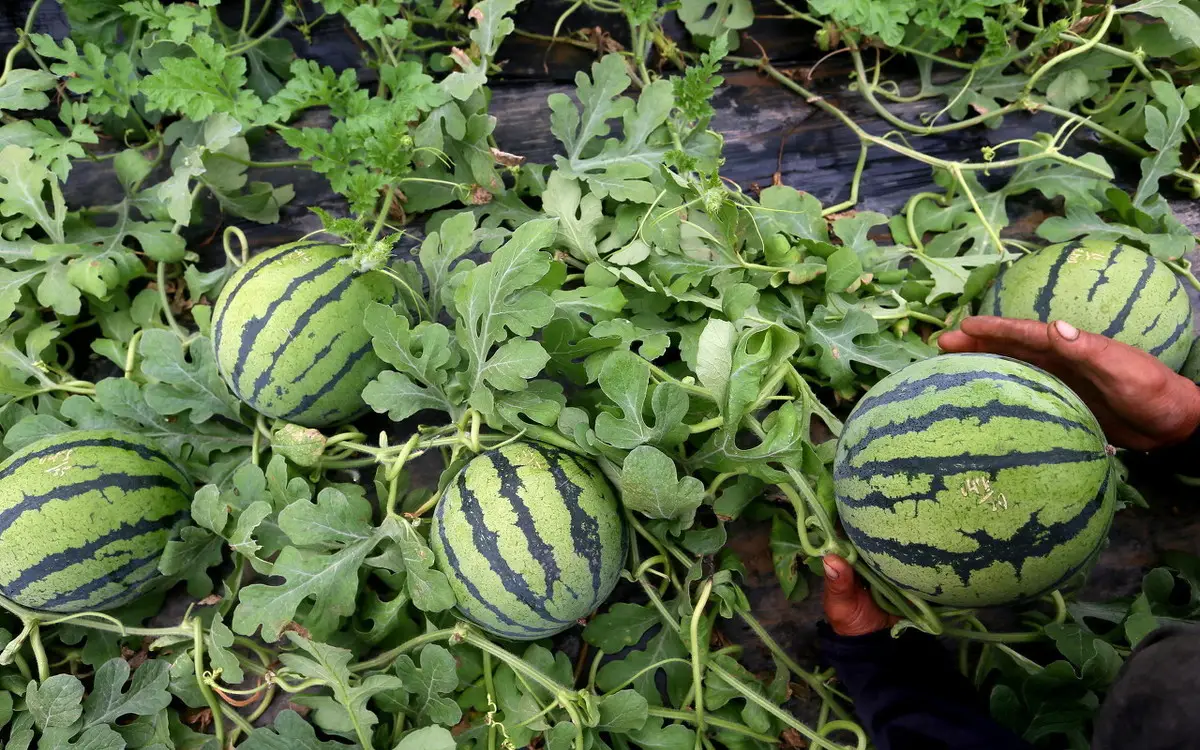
[769, 132]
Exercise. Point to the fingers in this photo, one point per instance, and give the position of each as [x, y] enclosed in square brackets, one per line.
[1005, 332]
[849, 608]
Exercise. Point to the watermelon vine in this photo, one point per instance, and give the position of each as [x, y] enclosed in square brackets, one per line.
[464, 324]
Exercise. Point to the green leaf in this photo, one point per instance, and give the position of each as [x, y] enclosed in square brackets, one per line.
[844, 272]
[787, 556]
[612, 167]
[211, 81]
[331, 666]
[290, 732]
[25, 89]
[427, 738]
[441, 252]
[429, 683]
[625, 380]
[1164, 133]
[500, 297]
[852, 339]
[330, 539]
[429, 588]
[1068, 88]
[656, 735]
[795, 213]
[623, 625]
[623, 711]
[715, 17]
[147, 694]
[1183, 21]
[579, 216]
[179, 385]
[492, 25]
[55, 702]
[649, 485]
[22, 183]
[423, 357]
[714, 359]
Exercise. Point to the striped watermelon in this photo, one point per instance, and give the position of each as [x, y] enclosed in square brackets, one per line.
[974, 480]
[288, 333]
[531, 539]
[84, 518]
[1102, 287]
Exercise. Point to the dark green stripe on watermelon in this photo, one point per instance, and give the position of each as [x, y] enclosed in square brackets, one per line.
[84, 518]
[486, 541]
[531, 539]
[288, 333]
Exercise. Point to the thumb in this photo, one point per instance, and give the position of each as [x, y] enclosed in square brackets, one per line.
[839, 579]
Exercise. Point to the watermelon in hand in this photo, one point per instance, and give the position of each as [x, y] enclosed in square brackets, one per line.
[531, 539]
[1101, 287]
[974, 480]
[84, 519]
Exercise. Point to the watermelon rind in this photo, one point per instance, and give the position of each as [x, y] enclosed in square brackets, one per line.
[531, 539]
[289, 337]
[974, 480]
[84, 519]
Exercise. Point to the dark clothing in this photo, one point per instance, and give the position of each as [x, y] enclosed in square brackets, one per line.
[908, 694]
[1154, 705]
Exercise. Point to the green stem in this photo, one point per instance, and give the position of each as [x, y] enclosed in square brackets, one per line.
[818, 686]
[1081, 49]
[240, 49]
[39, 652]
[852, 201]
[383, 214]
[161, 275]
[699, 652]
[210, 698]
[815, 739]
[389, 656]
[713, 721]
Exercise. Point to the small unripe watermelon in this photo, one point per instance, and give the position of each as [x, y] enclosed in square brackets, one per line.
[84, 519]
[974, 480]
[289, 337]
[1102, 287]
[531, 538]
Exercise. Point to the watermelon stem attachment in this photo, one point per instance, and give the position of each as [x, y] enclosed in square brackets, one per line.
[39, 652]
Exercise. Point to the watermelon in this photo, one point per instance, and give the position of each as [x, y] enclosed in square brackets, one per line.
[288, 334]
[531, 538]
[974, 480]
[84, 519]
[1101, 287]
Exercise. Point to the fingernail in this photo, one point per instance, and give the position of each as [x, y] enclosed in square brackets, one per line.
[831, 572]
[1066, 330]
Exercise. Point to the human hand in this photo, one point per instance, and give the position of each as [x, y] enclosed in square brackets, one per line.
[1140, 402]
[849, 607]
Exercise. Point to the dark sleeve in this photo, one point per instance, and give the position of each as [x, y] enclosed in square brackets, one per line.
[1184, 457]
[909, 696]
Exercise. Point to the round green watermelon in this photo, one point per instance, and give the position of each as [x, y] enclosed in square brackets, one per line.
[531, 538]
[84, 519]
[1101, 287]
[974, 480]
[289, 337]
